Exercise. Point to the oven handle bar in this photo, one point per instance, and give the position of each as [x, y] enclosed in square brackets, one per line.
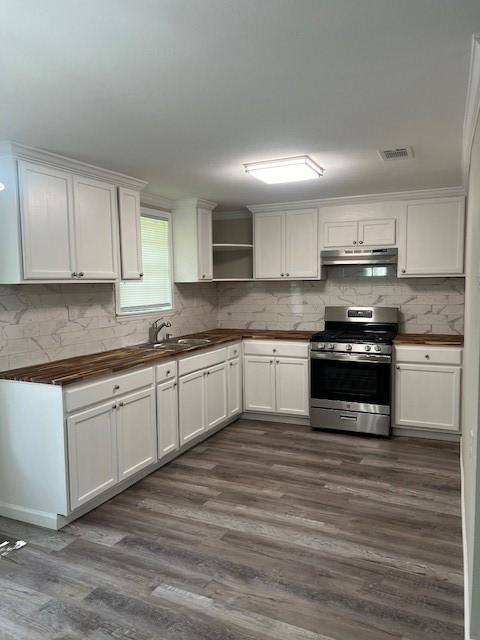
[350, 357]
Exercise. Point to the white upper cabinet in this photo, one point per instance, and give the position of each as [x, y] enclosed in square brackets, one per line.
[95, 214]
[205, 255]
[130, 234]
[359, 225]
[192, 240]
[377, 232]
[340, 234]
[268, 245]
[433, 238]
[46, 197]
[286, 244]
[301, 244]
[59, 219]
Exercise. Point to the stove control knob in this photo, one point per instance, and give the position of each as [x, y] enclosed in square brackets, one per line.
[367, 347]
[378, 348]
[330, 346]
[348, 347]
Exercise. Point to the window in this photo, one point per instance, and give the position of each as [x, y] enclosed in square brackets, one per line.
[154, 292]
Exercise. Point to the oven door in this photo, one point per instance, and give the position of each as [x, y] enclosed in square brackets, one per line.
[348, 381]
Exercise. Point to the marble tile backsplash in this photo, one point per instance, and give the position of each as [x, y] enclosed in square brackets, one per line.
[48, 322]
[433, 305]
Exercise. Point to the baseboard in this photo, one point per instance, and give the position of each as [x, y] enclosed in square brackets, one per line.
[411, 432]
[270, 417]
[39, 518]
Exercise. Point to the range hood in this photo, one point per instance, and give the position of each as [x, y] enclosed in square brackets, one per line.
[359, 256]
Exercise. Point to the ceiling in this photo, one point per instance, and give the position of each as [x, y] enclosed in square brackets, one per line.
[182, 92]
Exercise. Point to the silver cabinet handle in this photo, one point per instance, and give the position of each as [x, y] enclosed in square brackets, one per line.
[361, 242]
[80, 274]
[74, 274]
[274, 351]
[427, 356]
[397, 368]
[121, 404]
[352, 418]
[114, 405]
[354, 242]
[116, 387]
[271, 361]
[140, 275]
[287, 274]
[404, 271]
[231, 364]
[174, 385]
[168, 372]
[278, 361]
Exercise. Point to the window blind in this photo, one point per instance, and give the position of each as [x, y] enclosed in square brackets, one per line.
[155, 290]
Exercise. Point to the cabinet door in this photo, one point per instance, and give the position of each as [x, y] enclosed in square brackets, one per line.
[377, 233]
[259, 383]
[205, 257]
[130, 234]
[301, 244]
[95, 229]
[167, 418]
[234, 386]
[136, 432]
[46, 199]
[433, 238]
[269, 245]
[292, 393]
[340, 234]
[191, 405]
[427, 396]
[216, 395]
[92, 453]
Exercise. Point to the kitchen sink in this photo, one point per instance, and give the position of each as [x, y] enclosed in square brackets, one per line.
[187, 342]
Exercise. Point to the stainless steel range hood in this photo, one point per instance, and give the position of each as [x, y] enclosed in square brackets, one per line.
[359, 256]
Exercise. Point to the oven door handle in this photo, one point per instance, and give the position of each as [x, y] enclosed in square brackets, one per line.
[350, 357]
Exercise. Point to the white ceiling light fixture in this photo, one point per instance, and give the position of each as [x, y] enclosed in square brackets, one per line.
[2, 186]
[285, 170]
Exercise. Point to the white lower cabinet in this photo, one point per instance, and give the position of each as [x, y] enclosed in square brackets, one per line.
[215, 396]
[291, 383]
[276, 384]
[136, 432]
[427, 396]
[92, 452]
[191, 405]
[259, 383]
[234, 387]
[427, 387]
[167, 417]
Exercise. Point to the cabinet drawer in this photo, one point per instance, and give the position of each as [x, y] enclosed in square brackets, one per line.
[234, 350]
[202, 361]
[426, 354]
[274, 347]
[166, 371]
[85, 394]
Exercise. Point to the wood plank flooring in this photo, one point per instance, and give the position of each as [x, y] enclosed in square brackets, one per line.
[265, 531]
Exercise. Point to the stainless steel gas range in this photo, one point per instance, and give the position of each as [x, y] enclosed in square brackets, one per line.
[351, 361]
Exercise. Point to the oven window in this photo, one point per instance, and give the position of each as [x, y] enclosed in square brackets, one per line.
[350, 381]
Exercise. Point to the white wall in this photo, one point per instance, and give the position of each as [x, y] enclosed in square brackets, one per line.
[471, 379]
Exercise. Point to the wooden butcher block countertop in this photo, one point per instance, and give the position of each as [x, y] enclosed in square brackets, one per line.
[429, 339]
[71, 370]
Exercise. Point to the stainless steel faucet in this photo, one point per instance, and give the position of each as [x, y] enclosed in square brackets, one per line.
[155, 329]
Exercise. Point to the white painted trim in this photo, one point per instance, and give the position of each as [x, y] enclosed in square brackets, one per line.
[472, 107]
[466, 587]
[422, 194]
[23, 152]
[188, 203]
[39, 518]
[426, 434]
[156, 201]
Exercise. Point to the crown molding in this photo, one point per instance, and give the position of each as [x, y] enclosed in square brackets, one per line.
[421, 194]
[31, 154]
[233, 215]
[194, 202]
[472, 107]
[156, 201]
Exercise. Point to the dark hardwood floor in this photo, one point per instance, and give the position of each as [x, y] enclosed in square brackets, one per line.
[265, 531]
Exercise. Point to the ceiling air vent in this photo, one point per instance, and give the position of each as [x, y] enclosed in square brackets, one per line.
[396, 154]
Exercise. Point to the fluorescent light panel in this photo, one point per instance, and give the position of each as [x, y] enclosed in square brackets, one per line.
[285, 170]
